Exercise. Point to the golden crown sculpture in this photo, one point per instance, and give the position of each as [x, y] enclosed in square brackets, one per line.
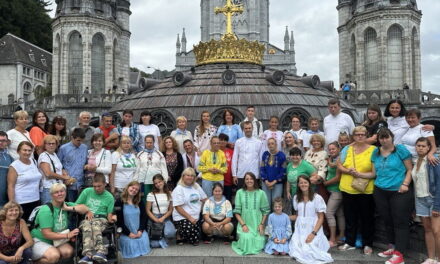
[229, 48]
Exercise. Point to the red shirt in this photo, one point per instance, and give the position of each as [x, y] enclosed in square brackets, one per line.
[228, 175]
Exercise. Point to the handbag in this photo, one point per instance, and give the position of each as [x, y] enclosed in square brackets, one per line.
[359, 184]
[156, 230]
[59, 242]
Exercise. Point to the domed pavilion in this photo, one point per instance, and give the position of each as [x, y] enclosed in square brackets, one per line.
[229, 75]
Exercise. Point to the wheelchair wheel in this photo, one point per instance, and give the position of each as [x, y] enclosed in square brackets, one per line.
[120, 259]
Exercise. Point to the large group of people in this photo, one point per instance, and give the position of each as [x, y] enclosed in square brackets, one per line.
[298, 192]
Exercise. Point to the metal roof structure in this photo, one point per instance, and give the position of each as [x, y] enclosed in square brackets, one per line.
[216, 87]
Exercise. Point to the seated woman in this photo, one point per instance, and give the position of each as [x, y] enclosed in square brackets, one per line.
[15, 239]
[134, 240]
[51, 224]
[159, 210]
[188, 198]
[217, 213]
[308, 243]
[251, 210]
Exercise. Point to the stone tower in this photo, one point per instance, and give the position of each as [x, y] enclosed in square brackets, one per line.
[379, 44]
[252, 24]
[91, 46]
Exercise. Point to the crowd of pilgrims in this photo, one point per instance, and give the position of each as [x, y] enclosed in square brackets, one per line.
[298, 192]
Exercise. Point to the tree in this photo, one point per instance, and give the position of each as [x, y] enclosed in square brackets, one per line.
[27, 19]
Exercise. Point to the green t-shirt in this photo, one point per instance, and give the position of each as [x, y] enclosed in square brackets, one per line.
[99, 204]
[331, 173]
[58, 221]
[304, 168]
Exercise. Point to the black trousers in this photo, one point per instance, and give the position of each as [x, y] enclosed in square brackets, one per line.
[358, 210]
[28, 208]
[395, 209]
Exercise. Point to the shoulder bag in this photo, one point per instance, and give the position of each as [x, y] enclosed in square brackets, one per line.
[359, 184]
[156, 230]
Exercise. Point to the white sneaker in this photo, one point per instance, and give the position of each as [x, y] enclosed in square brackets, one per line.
[345, 247]
[387, 253]
[430, 261]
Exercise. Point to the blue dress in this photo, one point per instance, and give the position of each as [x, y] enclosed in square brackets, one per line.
[234, 132]
[278, 226]
[133, 247]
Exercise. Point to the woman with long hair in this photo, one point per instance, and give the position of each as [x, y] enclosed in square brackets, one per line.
[251, 210]
[204, 132]
[374, 122]
[134, 241]
[230, 127]
[173, 159]
[39, 129]
[308, 243]
[273, 170]
[58, 128]
[159, 210]
[272, 132]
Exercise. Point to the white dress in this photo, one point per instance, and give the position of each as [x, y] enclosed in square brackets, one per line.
[316, 251]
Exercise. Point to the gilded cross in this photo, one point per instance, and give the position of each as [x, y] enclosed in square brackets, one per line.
[229, 10]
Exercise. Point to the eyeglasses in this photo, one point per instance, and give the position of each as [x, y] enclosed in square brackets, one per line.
[343, 133]
[51, 144]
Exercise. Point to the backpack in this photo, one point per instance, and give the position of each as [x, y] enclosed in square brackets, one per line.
[346, 88]
[34, 213]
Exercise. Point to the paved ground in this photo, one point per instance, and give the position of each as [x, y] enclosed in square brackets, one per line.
[217, 253]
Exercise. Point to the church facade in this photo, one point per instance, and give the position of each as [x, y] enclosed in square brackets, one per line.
[91, 46]
[379, 44]
[252, 24]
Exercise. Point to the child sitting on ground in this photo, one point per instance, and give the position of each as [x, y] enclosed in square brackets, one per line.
[279, 230]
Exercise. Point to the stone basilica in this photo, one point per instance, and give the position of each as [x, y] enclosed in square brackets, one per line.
[91, 46]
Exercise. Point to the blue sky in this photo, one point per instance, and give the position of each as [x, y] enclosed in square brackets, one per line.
[155, 24]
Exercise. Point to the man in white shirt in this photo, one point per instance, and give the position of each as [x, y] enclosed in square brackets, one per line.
[190, 158]
[246, 157]
[336, 122]
[257, 126]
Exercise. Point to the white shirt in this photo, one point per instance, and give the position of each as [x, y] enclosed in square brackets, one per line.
[181, 138]
[278, 135]
[203, 142]
[151, 129]
[246, 157]
[162, 200]
[308, 135]
[196, 161]
[125, 131]
[27, 186]
[190, 200]
[398, 126]
[420, 178]
[257, 127]
[333, 125]
[410, 137]
[53, 161]
[125, 168]
[16, 137]
[149, 165]
[103, 162]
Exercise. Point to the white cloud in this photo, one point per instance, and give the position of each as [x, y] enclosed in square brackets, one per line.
[155, 24]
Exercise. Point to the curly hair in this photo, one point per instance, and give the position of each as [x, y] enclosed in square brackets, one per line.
[9, 205]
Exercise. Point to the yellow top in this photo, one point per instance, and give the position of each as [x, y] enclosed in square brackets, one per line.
[363, 164]
[210, 160]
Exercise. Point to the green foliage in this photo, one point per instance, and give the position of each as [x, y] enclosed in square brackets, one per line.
[143, 74]
[27, 19]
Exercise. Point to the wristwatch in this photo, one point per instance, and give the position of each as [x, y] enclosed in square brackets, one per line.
[314, 233]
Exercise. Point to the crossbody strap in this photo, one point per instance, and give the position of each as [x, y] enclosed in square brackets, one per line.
[156, 203]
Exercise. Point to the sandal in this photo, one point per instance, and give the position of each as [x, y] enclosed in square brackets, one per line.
[179, 242]
[368, 250]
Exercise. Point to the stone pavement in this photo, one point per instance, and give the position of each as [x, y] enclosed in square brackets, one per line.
[217, 253]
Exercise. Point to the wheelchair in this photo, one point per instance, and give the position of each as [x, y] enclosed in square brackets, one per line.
[110, 240]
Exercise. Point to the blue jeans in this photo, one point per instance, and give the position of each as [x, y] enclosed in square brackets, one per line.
[276, 191]
[27, 256]
[45, 196]
[207, 186]
[72, 195]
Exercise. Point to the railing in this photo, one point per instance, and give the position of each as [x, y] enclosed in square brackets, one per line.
[383, 97]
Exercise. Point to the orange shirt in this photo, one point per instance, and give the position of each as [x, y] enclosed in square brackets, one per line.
[37, 135]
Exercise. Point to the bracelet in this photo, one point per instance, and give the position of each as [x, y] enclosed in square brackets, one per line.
[67, 235]
[404, 184]
[314, 233]
[243, 225]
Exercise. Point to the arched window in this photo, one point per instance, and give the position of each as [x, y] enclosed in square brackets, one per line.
[27, 91]
[286, 118]
[75, 79]
[414, 58]
[217, 116]
[395, 58]
[164, 120]
[98, 64]
[353, 56]
[371, 60]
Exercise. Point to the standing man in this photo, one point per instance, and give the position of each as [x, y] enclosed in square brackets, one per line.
[5, 161]
[73, 156]
[336, 122]
[257, 126]
[246, 155]
[84, 119]
[110, 132]
[190, 159]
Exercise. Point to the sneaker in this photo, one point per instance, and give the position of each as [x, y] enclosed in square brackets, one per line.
[430, 261]
[368, 250]
[345, 247]
[387, 253]
[397, 258]
[85, 260]
[100, 258]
